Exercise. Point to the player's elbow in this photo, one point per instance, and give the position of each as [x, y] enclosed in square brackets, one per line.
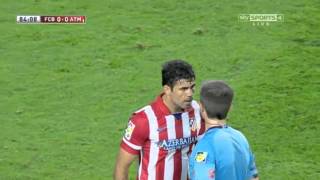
[120, 172]
[122, 166]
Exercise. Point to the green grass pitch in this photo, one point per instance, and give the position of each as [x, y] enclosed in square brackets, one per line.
[66, 91]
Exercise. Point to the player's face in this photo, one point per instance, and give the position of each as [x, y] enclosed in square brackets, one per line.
[182, 94]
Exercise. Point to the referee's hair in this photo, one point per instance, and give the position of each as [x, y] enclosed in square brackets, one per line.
[175, 70]
[216, 97]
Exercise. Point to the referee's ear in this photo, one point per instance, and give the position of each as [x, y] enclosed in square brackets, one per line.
[203, 111]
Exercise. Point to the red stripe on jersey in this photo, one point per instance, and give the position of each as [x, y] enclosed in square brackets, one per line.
[202, 128]
[177, 155]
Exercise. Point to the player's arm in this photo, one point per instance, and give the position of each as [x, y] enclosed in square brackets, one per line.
[124, 160]
[135, 136]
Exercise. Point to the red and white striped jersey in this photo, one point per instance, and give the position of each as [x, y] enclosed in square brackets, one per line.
[163, 140]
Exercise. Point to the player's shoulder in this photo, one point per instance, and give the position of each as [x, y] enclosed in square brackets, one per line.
[139, 115]
[195, 104]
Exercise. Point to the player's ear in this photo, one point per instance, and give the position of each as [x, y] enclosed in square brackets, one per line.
[166, 89]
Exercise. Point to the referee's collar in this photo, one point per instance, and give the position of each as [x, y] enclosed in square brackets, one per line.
[217, 127]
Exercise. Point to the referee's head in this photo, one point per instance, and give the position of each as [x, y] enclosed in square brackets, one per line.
[216, 98]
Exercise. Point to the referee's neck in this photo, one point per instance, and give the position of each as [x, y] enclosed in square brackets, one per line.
[209, 123]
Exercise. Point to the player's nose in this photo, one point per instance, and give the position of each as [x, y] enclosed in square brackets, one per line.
[189, 93]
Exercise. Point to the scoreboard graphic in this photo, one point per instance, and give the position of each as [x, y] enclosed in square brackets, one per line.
[39, 19]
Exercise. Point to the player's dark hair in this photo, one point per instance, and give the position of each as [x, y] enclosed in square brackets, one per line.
[175, 70]
[216, 97]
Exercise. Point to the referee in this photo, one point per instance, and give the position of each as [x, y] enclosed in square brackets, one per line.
[223, 153]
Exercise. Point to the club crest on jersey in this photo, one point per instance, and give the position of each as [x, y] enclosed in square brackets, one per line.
[173, 144]
[201, 157]
[193, 124]
[129, 130]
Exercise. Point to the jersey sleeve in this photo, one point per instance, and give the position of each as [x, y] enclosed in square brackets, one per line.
[253, 172]
[252, 166]
[203, 171]
[136, 133]
[202, 163]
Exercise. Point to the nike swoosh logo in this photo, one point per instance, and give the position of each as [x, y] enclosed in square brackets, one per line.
[161, 129]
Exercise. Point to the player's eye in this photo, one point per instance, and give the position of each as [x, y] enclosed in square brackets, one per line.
[184, 88]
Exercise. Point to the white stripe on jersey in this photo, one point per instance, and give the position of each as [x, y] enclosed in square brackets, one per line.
[154, 138]
[133, 146]
[186, 125]
[184, 151]
[169, 161]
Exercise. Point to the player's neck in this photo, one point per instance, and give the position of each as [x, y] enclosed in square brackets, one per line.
[214, 123]
[172, 107]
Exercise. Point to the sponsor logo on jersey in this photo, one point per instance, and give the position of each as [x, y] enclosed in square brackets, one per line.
[172, 144]
[129, 130]
[201, 157]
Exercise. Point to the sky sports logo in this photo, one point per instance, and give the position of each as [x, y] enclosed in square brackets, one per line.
[261, 19]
